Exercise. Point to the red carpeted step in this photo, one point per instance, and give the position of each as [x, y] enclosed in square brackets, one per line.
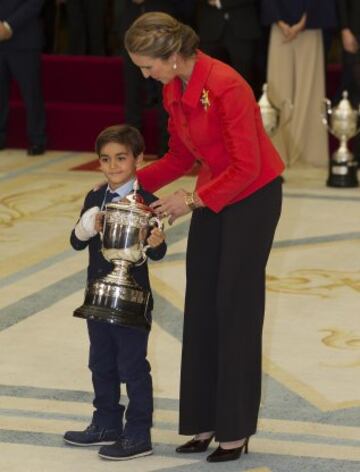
[74, 126]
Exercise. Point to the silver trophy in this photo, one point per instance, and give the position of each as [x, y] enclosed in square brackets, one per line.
[117, 298]
[344, 126]
[270, 114]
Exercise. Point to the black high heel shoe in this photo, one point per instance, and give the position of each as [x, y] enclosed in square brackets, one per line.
[195, 445]
[223, 455]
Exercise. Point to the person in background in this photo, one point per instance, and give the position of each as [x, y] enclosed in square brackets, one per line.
[236, 204]
[86, 27]
[116, 28]
[20, 59]
[349, 17]
[296, 75]
[229, 30]
[48, 17]
[186, 11]
[140, 93]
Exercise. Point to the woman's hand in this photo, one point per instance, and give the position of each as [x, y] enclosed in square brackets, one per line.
[5, 33]
[172, 206]
[290, 32]
[297, 27]
[350, 43]
[157, 236]
[285, 28]
[214, 3]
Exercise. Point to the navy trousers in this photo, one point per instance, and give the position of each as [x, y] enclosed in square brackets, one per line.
[118, 355]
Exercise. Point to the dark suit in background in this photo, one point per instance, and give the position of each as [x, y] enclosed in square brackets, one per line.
[135, 84]
[48, 17]
[231, 33]
[349, 18]
[86, 23]
[20, 58]
[349, 15]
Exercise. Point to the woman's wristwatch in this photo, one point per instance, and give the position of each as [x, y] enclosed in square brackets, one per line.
[190, 201]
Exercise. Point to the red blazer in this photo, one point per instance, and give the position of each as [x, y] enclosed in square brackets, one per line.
[216, 121]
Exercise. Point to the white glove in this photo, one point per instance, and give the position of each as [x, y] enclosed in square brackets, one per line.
[85, 228]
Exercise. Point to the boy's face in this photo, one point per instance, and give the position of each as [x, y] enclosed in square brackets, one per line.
[118, 164]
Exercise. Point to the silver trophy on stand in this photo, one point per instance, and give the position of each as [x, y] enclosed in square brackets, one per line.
[343, 125]
[117, 298]
[270, 114]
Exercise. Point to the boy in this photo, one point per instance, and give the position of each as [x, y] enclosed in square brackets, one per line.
[117, 353]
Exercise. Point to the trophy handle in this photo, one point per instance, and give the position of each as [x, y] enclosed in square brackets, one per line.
[327, 111]
[287, 104]
[358, 130]
[154, 221]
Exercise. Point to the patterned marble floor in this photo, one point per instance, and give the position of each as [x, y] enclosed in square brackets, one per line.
[310, 414]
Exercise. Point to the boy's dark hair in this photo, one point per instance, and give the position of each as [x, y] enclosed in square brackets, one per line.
[121, 134]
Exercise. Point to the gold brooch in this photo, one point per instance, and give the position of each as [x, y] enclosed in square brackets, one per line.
[205, 100]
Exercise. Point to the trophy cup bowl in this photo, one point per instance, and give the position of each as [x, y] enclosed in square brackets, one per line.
[117, 298]
[342, 122]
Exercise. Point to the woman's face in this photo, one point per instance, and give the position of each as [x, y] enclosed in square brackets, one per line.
[159, 69]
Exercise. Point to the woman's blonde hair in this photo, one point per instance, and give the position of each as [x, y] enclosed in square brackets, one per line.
[159, 35]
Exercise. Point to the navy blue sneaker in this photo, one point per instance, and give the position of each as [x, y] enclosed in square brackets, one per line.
[93, 435]
[125, 449]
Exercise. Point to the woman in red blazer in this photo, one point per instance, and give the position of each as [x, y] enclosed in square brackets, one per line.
[215, 120]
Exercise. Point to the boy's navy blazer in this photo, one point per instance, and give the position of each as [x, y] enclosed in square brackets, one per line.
[98, 265]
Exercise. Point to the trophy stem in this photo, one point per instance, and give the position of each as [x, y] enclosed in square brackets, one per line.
[343, 153]
[120, 273]
[342, 168]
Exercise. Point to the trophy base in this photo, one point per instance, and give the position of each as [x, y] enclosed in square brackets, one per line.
[343, 175]
[121, 305]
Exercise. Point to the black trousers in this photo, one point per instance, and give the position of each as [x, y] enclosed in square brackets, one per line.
[138, 92]
[86, 20]
[239, 53]
[351, 83]
[25, 67]
[224, 310]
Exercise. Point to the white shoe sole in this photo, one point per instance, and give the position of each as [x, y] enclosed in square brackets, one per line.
[141, 454]
[100, 443]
